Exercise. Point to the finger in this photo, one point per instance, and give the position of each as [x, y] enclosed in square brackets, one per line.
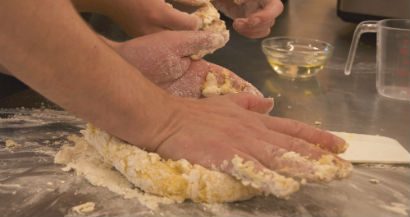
[291, 163]
[190, 83]
[253, 33]
[171, 70]
[252, 173]
[270, 10]
[259, 23]
[174, 19]
[240, 165]
[192, 2]
[323, 139]
[187, 43]
[326, 166]
[251, 102]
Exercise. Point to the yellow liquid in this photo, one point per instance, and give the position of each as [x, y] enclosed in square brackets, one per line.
[295, 70]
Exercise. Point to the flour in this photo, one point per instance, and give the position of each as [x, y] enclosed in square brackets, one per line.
[211, 22]
[167, 181]
[84, 208]
[11, 145]
[178, 180]
[398, 208]
[85, 160]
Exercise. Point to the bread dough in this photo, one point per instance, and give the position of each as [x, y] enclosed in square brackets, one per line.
[178, 180]
[212, 87]
[211, 22]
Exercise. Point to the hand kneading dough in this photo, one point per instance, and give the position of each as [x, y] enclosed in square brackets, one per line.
[178, 180]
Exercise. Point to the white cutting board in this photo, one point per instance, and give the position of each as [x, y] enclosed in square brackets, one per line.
[373, 149]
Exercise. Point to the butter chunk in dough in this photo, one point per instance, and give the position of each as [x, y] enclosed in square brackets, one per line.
[230, 84]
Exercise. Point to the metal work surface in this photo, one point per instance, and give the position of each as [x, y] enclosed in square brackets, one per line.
[31, 185]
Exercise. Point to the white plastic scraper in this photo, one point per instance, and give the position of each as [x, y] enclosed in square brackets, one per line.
[373, 149]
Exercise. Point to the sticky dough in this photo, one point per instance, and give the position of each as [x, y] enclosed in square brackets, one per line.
[211, 22]
[178, 180]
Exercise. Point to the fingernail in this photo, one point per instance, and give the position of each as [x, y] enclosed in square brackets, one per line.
[270, 101]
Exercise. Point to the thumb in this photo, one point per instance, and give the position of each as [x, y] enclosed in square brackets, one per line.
[174, 19]
[188, 43]
[251, 102]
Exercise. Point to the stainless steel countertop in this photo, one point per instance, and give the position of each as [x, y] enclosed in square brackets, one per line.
[341, 103]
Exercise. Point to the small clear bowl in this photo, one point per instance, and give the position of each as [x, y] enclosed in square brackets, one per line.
[295, 58]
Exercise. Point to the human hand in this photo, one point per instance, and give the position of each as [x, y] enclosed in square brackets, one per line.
[164, 59]
[192, 82]
[141, 17]
[165, 56]
[211, 132]
[252, 18]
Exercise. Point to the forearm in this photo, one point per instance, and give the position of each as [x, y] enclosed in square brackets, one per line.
[60, 57]
[120, 11]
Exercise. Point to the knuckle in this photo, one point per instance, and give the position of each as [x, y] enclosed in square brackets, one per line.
[296, 128]
[153, 16]
[295, 143]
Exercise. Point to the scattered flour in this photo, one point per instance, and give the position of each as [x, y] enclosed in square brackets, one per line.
[84, 208]
[87, 163]
[398, 208]
[11, 145]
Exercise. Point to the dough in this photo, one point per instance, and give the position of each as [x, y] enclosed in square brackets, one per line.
[211, 22]
[178, 180]
[213, 87]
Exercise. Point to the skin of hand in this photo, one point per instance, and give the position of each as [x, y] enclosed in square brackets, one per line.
[77, 70]
[141, 17]
[252, 18]
[190, 84]
[210, 131]
[164, 58]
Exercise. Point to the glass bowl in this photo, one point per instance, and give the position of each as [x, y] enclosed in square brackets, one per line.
[296, 57]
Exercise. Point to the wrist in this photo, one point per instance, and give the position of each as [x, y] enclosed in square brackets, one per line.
[161, 121]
